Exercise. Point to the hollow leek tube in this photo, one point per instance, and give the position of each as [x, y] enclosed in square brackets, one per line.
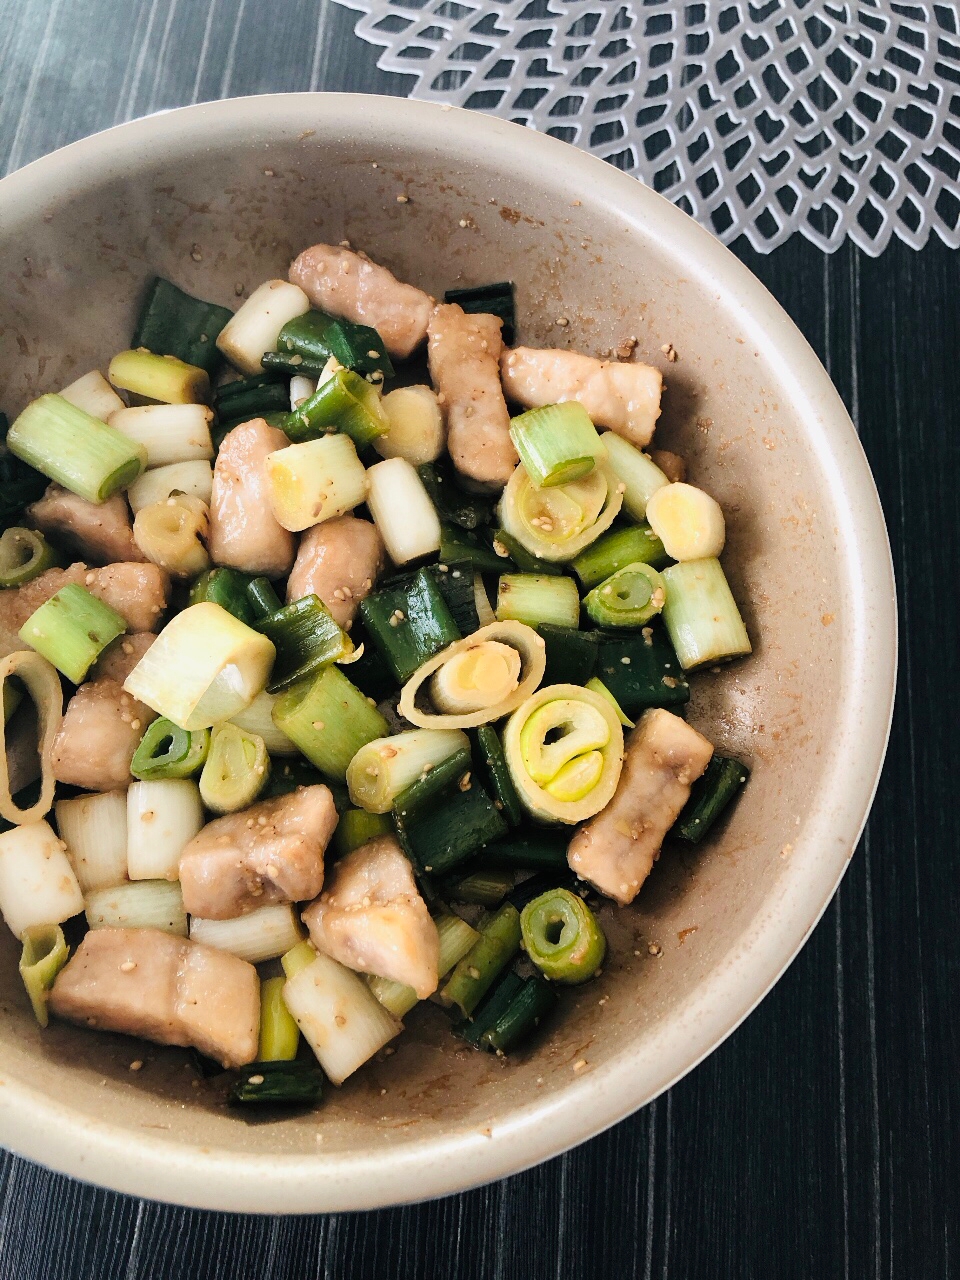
[497, 945]
[517, 1022]
[564, 748]
[307, 639]
[629, 598]
[78, 451]
[43, 685]
[489, 685]
[557, 523]
[71, 630]
[557, 443]
[45, 952]
[279, 1034]
[703, 621]
[615, 550]
[456, 939]
[167, 751]
[384, 768]
[537, 599]
[236, 769]
[562, 936]
[710, 795]
[163, 378]
[329, 719]
[24, 555]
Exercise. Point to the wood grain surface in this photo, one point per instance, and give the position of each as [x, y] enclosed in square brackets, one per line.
[821, 1141]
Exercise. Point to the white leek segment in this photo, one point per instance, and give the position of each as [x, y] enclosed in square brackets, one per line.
[235, 770]
[171, 534]
[338, 1016]
[476, 679]
[37, 883]
[42, 683]
[687, 521]
[260, 935]
[256, 327]
[192, 478]
[701, 615]
[456, 939]
[161, 818]
[538, 598]
[416, 430]
[204, 667]
[518, 636]
[556, 523]
[94, 395]
[383, 768]
[301, 389]
[163, 378]
[145, 904]
[402, 511]
[169, 432]
[258, 719]
[564, 750]
[94, 829]
[637, 472]
[315, 481]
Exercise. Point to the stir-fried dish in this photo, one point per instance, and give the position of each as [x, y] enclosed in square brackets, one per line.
[345, 649]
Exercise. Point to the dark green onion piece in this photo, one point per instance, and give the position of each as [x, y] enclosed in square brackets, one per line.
[491, 300]
[715, 789]
[226, 587]
[615, 550]
[526, 1011]
[278, 1084]
[542, 882]
[329, 720]
[307, 342]
[454, 505]
[346, 403]
[534, 851]
[628, 598]
[71, 630]
[571, 655]
[490, 1010]
[476, 973]
[287, 775]
[521, 557]
[562, 936]
[173, 323]
[167, 751]
[356, 827]
[246, 398]
[490, 754]
[455, 583]
[422, 791]
[307, 639]
[487, 888]
[439, 836]
[409, 622]
[262, 597]
[651, 676]
[24, 555]
[462, 547]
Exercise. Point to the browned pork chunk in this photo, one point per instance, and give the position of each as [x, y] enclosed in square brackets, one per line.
[101, 729]
[616, 850]
[339, 561]
[271, 852]
[345, 283]
[623, 397]
[100, 532]
[151, 984]
[244, 533]
[371, 918]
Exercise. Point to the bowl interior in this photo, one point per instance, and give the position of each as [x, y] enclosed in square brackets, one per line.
[219, 198]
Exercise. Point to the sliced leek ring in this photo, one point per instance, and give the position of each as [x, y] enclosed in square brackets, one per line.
[43, 685]
[491, 699]
[556, 523]
[564, 750]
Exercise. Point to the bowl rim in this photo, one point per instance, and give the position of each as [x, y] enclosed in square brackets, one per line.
[43, 1129]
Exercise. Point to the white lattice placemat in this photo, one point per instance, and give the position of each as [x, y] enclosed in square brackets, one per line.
[760, 118]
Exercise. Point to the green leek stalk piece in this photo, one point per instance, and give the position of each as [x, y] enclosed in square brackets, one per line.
[356, 827]
[45, 952]
[263, 598]
[329, 720]
[236, 769]
[638, 473]
[247, 398]
[562, 936]
[489, 299]
[24, 555]
[162, 378]
[290, 1084]
[287, 775]
[297, 958]
[78, 451]
[307, 342]
[462, 547]
[386, 768]
[571, 655]
[456, 939]
[421, 793]
[71, 630]
[597, 686]
[558, 522]
[539, 850]
[701, 615]
[538, 599]
[636, 545]
[510, 1014]
[167, 751]
[408, 623]
[279, 1034]
[710, 795]
[507, 547]
[172, 323]
[496, 947]
[454, 505]
[229, 588]
[307, 639]
[487, 888]
[641, 670]
[346, 403]
[628, 598]
[557, 443]
[439, 835]
[490, 751]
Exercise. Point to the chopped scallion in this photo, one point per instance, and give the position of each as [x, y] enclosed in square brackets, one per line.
[167, 751]
[329, 719]
[557, 443]
[71, 630]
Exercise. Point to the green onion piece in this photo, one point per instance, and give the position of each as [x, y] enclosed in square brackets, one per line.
[172, 323]
[163, 378]
[710, 795]
[167, 751]
[44, 954]
[638, 473]
[496, 947]
[487, 888]
[456, 584]
[347, 403]
[636, 545]
[24, 555]
[540, 883]
[456, 939]
[78, 451]
[562, 936]
[537, 599]
[629, 598]
[287, 775]
[571, 655]
[490, 752]
[307, 342]
[368, 671]
[409, 622]
[439, 836]
[19, 484]
[489, 299]
[71, 630]
[297, 958]
[461, 547]
[236, 769]
[642, 671]
[386, 768]
[247, 398]
[454, 505]
[494, 1005]
[291, 1084]
[597, 686]
[356, 827]
[329, 719]
[701, 614]
[520, 1019]
[556, 443]
[262, 598]
[307, 639]
[538, 851]
[229, 588]
[507, 547]
[279, 1034]
[420, 793]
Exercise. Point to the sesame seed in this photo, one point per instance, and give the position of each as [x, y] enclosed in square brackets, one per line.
[403, 199]
[128, 966]
[258, 1079]
[137, 1064]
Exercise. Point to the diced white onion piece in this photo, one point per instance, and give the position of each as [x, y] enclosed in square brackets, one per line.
[383, 768]
[402, 511]
[260, 935]
[258, 719]
[205, 666]
[637, 472]
[192, 478]
[37, 883]
[476, 679]
[162, 816]
[687, 521]
[94, 395]
[339, 1016]
[255, 328]
[315, 481]
[146, 904]
[301, 389]
[169, 432]
[416, 425]
[94, 829]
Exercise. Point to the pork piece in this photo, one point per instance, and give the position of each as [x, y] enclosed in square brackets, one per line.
[100, 532]
[339, 561]
[623, 397]
[464, 354]
[101, 729]
[271, 852]
[671, 464]
[151, 984]
[616, 850]
[119, 658]
[243, 531]
[371, 918]
[345, 283]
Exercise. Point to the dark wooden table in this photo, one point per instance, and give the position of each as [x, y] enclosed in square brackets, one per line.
[821, 1140]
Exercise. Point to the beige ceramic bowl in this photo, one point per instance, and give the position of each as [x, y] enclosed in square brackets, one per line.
[219, 197]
